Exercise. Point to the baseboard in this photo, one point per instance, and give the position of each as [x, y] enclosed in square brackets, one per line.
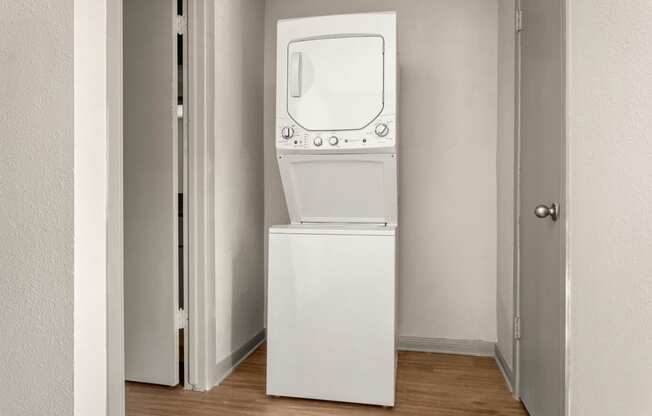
[447, 346]
[225, 367]
[439, 345]
[504, 368]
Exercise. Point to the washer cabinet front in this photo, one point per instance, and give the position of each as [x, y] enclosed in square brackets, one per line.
[331, 316]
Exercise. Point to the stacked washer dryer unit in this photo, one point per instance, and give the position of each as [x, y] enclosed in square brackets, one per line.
[332, 271]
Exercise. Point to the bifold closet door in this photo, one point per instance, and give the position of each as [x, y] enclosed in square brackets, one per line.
[150, 192]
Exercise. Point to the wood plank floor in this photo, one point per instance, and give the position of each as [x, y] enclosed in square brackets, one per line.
[427, 384]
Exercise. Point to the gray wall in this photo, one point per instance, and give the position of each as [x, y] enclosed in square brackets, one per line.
[36, 213]
[238, 167]
[448, 95]
[505, 165]
[609, 166]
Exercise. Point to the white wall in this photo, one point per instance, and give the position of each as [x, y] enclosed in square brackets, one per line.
[609, 166]
[505, 165]
[36, 213]
[238, 97]
[53, 186]
[448, 82]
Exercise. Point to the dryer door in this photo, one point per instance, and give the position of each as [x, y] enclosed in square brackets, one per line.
[335, 83]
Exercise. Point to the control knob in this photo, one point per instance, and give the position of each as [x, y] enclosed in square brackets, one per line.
[287, 132]
[318, 141]
[333, 140]
[382, 130]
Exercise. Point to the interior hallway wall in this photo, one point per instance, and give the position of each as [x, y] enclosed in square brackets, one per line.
[53, 187]
[238, 167]
[609, 165]
[448, 96]
[505, 165]
[36, 212]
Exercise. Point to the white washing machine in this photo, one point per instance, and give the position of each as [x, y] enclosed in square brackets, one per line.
[332, 271]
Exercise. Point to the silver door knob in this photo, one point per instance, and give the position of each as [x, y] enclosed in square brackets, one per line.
[543, 211]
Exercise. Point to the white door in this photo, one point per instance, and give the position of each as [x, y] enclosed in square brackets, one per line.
[150, 192]
[542, 276]
[335, 83]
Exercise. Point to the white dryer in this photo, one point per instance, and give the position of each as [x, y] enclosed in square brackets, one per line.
[332, 271]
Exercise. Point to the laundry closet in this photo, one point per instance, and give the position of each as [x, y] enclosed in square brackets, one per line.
[335, 180]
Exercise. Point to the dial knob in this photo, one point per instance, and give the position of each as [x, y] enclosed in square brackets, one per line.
[318, 141]
[333, 140]
[382, 130]
[287, 132]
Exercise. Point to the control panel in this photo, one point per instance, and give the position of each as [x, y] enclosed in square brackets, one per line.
[378, 134]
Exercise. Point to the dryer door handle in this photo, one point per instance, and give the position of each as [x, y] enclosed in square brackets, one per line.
[295, 74]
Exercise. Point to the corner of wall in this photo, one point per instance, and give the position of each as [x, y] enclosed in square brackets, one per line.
[90, 207]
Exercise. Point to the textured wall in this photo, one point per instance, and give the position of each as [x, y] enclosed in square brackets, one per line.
[610, 201]
[505, 164]
[239, 283]
[36, 212]
[448, 95]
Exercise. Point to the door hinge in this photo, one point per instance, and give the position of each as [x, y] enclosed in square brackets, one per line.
[181, 24]
[517, 327]
[182, 319]
[519, 20]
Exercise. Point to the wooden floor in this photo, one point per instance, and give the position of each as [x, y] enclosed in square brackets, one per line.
[428, 384]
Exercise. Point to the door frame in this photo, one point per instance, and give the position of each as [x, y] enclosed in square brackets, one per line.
[199, 104]
[115, 217]
[563, 202]
[185, 191]
[197, 209]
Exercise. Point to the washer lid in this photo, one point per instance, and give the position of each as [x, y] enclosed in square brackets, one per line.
[349, 188]
[335, 83]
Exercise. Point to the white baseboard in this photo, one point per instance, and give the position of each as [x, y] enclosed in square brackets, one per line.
[225, 367]
[505, 369]
[447, 346]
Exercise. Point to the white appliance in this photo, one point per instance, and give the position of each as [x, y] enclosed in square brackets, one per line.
[332, 271]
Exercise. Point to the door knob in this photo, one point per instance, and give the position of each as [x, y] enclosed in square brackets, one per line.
[543, 211]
